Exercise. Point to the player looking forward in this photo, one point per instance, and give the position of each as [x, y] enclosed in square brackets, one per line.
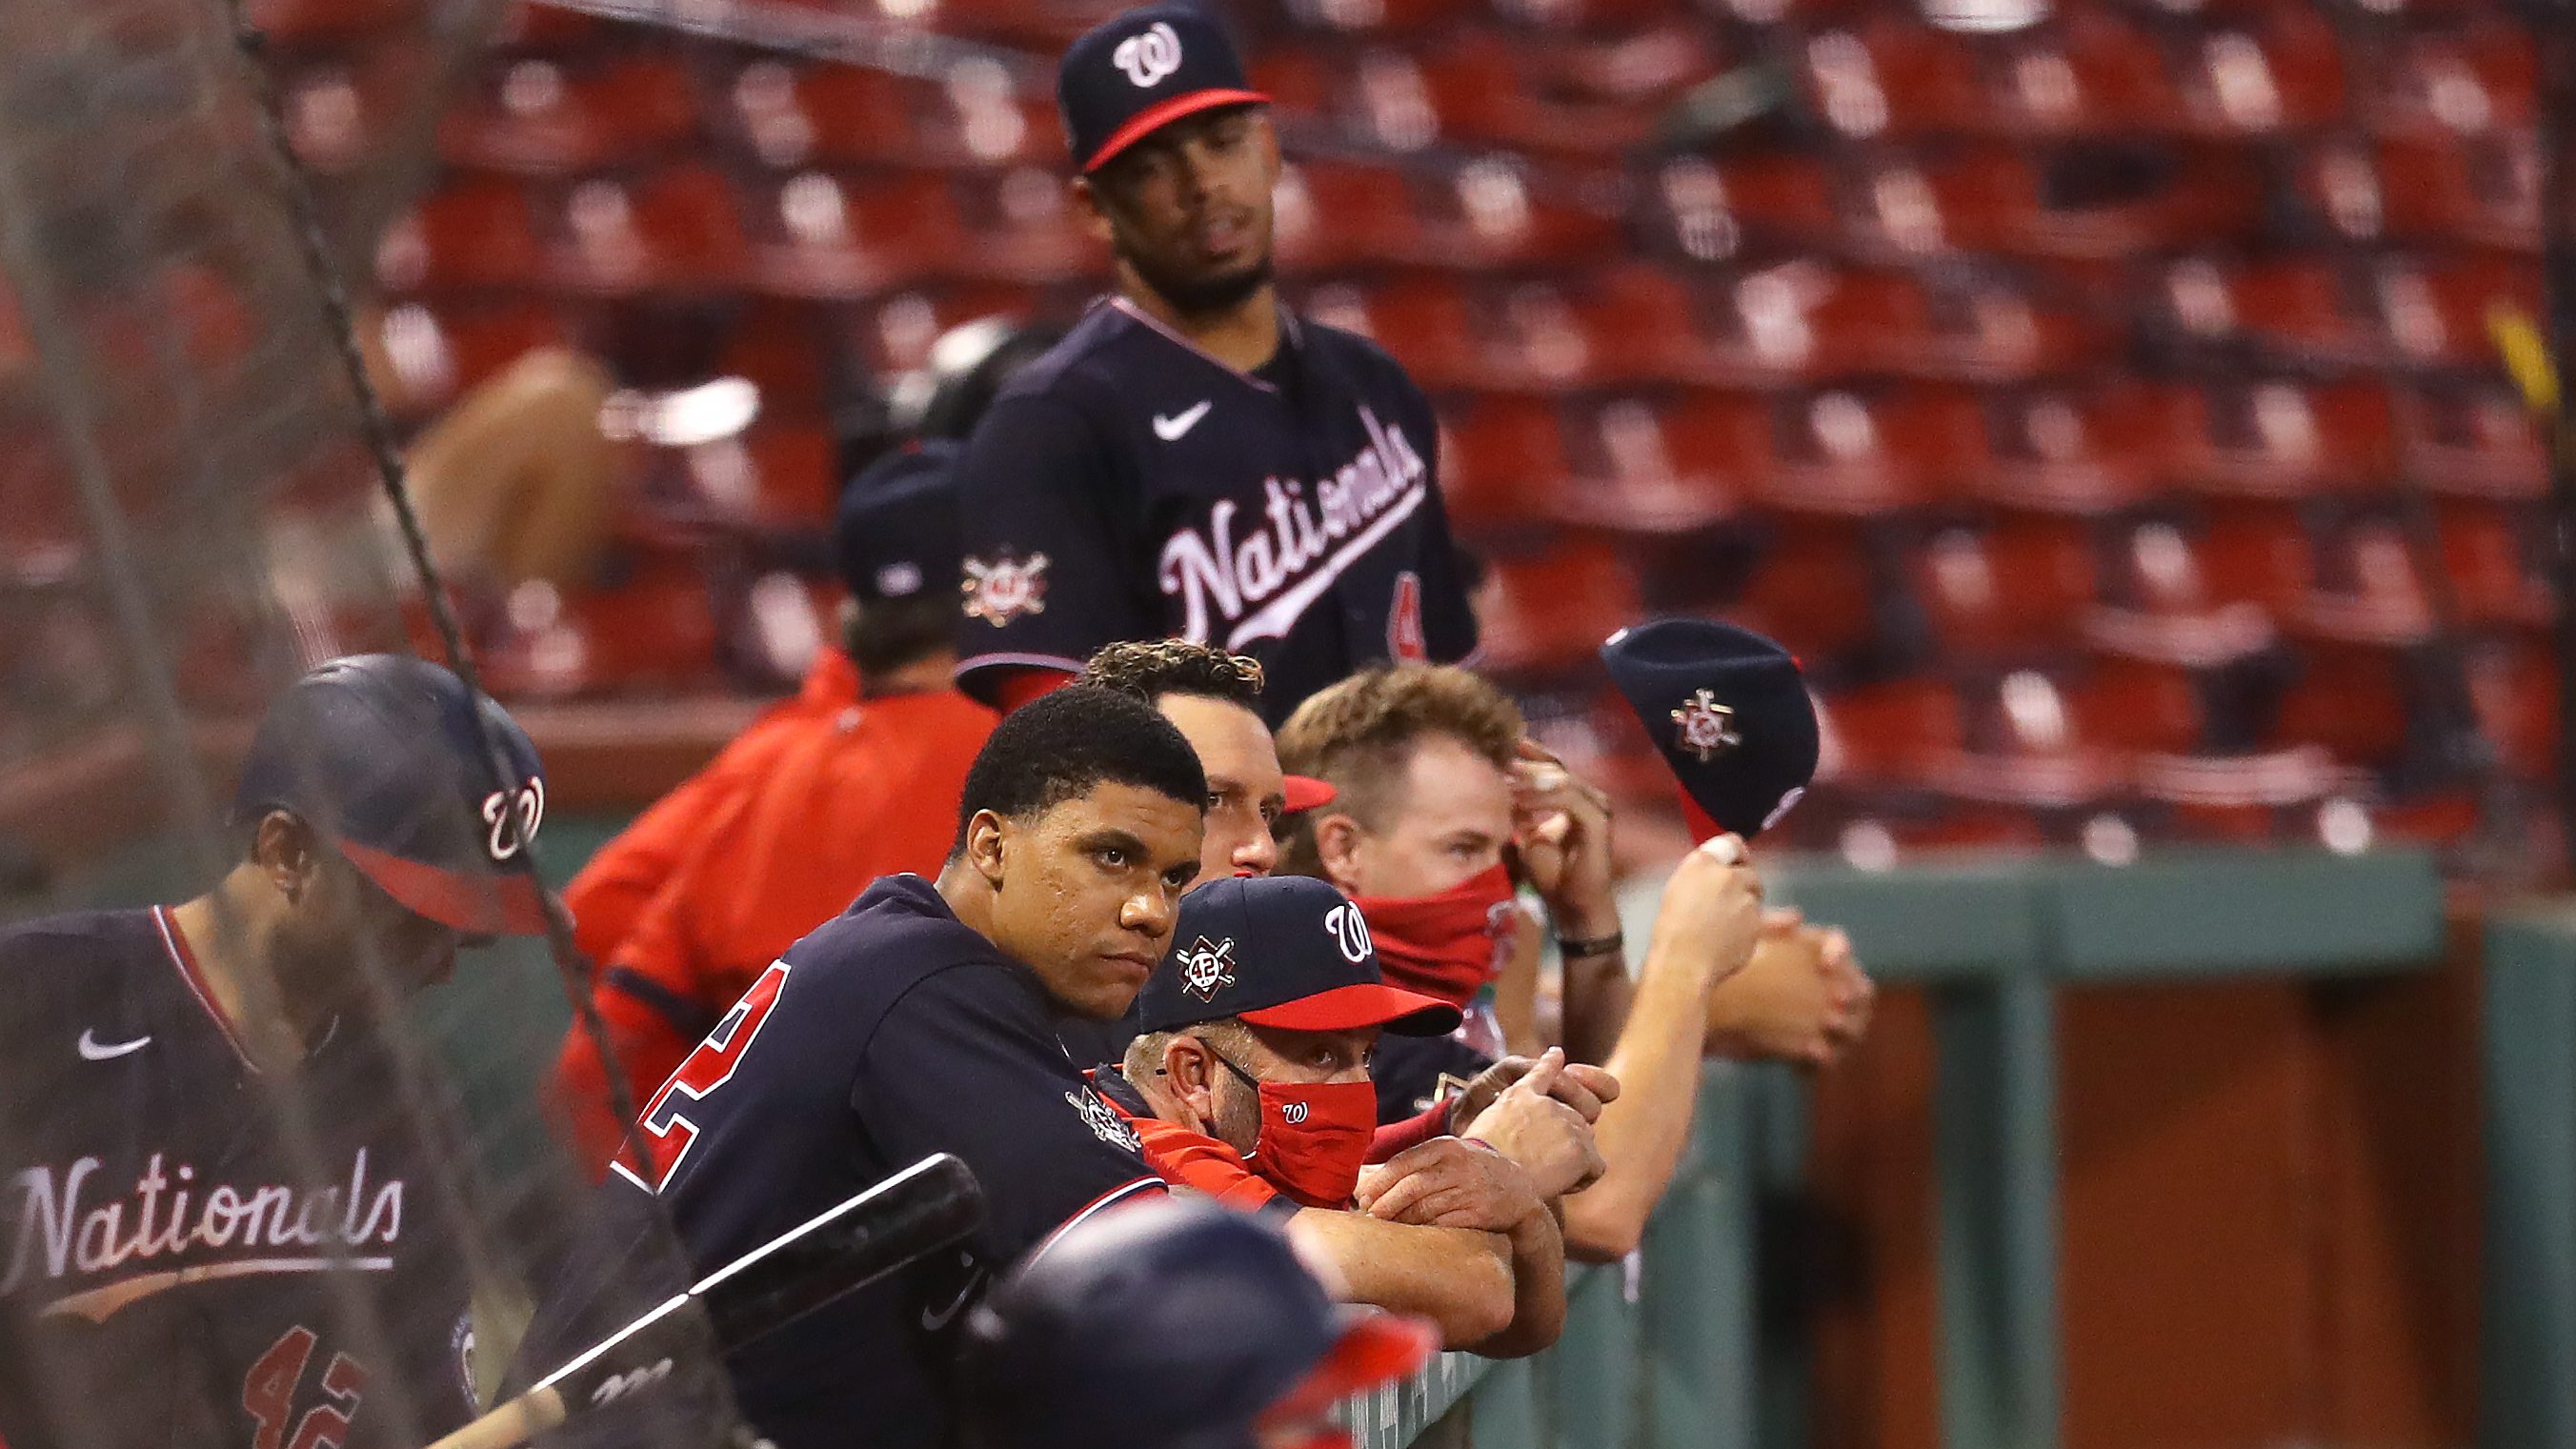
[1195, 459]
[200, 1121]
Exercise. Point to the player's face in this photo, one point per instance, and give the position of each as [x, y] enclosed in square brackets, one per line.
[1088, 891]
[1188, 207]
[1276, 1055]
[346, 924]
[1448, 823]
[1246, 791]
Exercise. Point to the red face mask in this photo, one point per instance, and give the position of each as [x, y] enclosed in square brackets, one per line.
[1448, 945]
[1314, 1136]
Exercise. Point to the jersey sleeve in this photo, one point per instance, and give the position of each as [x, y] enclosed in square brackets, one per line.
[1203, 1164]
[963, 1063]
[1448, 616]
[1050, 572]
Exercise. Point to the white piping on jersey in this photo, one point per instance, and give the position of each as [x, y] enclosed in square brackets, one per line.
[179, 963]
[1109, 1199]
[1356, 506]
[1287, 328]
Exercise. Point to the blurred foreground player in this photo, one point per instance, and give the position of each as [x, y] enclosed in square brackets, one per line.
[1195, 459]
[919, 1021]
[1172, 1325]
[839, 798]
[202, 1127]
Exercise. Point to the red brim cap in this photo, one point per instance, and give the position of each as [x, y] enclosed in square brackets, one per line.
[1153, 118]
[1305, 792]
[1703, 826]
[487, 903]
[1374, 1348]
[1366, 1003]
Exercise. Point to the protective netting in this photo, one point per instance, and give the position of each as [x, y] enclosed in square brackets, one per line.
[259, 1187]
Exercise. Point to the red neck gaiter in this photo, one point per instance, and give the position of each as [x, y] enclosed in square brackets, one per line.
[1447, 945]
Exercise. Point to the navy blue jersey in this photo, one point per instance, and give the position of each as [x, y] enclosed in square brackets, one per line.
[890, 1033]
[167, 1274]
[1412, 1072]
[1129, 486]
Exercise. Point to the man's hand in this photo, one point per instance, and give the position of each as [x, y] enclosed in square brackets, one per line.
[1562, 826]
[1801, 999]
[1450, 1183]
[1711, 914]
[1534, 1125]
[1581, 1087]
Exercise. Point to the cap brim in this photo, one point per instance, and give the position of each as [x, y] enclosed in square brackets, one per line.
[1154, 117]
[1374, 1347]
[1367, 1003]
[1703, 826]
[1305, 792]
[479, 903]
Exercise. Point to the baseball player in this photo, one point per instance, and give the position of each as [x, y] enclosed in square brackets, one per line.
[1250, 1083]
[1172, 1325]
[839, 799]
[1195, 459]
[224, 1222]
[919, 1021]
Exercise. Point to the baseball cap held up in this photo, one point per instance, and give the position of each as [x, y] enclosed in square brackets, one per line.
[1141, 70]
[381, 754]
[1728, 710]
[1286, 951]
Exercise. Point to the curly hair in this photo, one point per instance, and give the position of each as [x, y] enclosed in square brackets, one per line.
[1358, 735]
[1150, 669]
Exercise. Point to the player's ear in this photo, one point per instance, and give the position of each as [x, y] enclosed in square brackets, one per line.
[1191, 1072]
[1091, 207]
[984, 846]
[1337, 847]
[284, 849]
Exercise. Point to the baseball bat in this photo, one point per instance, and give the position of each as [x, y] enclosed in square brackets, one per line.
[926, 1207]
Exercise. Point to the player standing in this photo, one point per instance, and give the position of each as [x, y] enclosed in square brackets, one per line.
[1195, 459]
[223, 1225]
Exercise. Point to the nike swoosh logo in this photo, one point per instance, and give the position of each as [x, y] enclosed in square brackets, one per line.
[933, 1320]
[1170, 429]
[94, 1050]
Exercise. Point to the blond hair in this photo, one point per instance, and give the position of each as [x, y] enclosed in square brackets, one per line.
[1359, 735]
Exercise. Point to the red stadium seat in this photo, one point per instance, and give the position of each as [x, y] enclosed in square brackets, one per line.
[846, 115]
[1801, 321]
[780, 348]
[895, 334]
[2474, 438]
[1550, 613]
[2280, 439]
[1377, 17]
[2014, 590]
[1021, 227]
[2079, 449]
[2460, 80]
[1813, 590]
[2436, 310]
[2255, 552]
[1974, 326]
[654, 633]
[675, 231]
[544, 118]
[1856, 453]
[2028, 743]
[1048, 28]
[2349, 700]
[1330, 215]
[467, 234]
[2369, 588]
[323, 24]
[1669, 468]
[336, 110]
[2483, 189]
[1493, 213]
[1883, 734]
[1483, 99]
[779, 477]
[440, 350]
[2495, 557]
[2165, 603]
[1888, 77]
[1564, 53]
[2306, 309]
[530, 27]
[2090, 202]
[1709, 212]
[1425, 320]
[2514, 688]
[823, 236]
[1502, 463]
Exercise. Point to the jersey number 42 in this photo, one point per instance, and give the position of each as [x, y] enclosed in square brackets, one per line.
[666, 1132]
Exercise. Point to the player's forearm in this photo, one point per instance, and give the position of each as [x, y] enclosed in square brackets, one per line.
[1598, 997]
[1538, 1289]
[1459, 1279]
[1643, 1133]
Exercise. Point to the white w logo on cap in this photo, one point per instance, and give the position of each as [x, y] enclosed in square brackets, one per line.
[1149, 56]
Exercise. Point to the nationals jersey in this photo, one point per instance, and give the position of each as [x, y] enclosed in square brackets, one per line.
[889, 1033]
[172, 1271]
[1129, 486]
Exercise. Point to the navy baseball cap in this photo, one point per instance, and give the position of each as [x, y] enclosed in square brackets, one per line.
[896, 529]
[1141, 70]
[381, 754]
[1170, 1324]
[1287, 951]
[1730, 713]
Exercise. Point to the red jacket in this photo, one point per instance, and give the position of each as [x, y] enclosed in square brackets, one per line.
[793, 831]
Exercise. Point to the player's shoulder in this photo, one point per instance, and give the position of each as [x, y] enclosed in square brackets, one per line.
[1371, 367]
[897, 934]
[84, 940]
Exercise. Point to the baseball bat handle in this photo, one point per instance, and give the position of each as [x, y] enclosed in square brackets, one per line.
[514, 1423]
